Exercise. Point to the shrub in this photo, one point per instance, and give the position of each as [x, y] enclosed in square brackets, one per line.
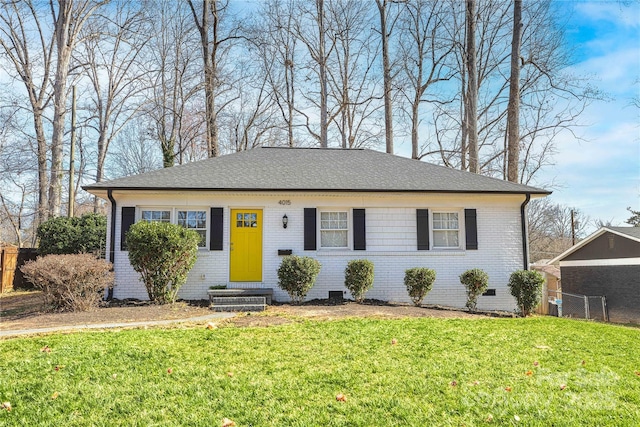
[419, 282]
[358, 278]
[163, 254]
[70, 282]
[476, 282]
[297, 275]
[64, 235]
[526, 287]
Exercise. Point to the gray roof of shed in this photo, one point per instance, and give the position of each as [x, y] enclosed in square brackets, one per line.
[313, 169]
[629, 231]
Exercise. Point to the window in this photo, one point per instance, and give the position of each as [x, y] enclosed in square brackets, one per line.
[334, 230]
[196, 221]
[246, 220]
[446, 230]
[156, 216]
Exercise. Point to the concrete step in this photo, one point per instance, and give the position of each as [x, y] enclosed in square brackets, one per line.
[237, 300]
[238, 303]
[245, 307]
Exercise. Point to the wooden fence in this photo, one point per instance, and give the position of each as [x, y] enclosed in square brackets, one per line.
[8, 263]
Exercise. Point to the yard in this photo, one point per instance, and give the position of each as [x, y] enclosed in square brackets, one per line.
[349, 371]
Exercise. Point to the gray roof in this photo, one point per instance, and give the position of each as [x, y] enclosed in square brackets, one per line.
[313, 169]
[629, 231]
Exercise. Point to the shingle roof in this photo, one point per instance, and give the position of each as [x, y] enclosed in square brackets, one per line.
[314, 169]
[629, 231]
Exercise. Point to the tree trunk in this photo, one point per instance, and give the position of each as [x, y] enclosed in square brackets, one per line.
[324, 143]
[43, 180]
[471, 110]
[386, 69]
[513, 109]
[63, 48]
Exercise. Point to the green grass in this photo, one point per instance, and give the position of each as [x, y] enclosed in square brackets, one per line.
[290, 375]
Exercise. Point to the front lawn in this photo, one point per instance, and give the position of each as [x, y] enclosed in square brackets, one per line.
[410, 372]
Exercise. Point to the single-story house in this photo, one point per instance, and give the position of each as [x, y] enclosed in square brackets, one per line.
[253, 207]
[607, 263]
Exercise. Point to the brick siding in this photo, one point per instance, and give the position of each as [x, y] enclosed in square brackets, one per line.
[620, 284]
[390, 237]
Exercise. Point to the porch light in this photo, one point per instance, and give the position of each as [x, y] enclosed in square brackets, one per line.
[285, 221]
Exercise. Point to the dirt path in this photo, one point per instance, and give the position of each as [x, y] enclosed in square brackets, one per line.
[23, 310]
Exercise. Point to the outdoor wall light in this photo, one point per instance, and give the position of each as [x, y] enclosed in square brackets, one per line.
[285, 221]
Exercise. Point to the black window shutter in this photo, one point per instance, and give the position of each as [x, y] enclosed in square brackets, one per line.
[128, 218]
[422, 225]
[310, 229]
[471, 228]
[359, 230]
[217, 229]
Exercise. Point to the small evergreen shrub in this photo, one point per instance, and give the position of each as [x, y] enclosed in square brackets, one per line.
[70, 282]
[297, 275]
[358, 278]
[63, 235]
[419, 282]
[526, 287]
[476, 282]
[163, 254]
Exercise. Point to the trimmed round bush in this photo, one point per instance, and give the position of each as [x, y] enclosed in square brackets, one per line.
[475, 282]
[63, 235]
[526, 287]
[419, 281]
[358, 278]
[70, 282]
[163, 254]
[297, 275]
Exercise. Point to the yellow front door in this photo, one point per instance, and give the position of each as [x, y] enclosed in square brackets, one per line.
[245, 263]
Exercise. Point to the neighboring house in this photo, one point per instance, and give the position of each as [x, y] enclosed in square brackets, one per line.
[607, 263]
[255, 206]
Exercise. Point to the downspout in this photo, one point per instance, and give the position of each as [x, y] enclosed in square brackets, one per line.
[523, 220]
[112, 237]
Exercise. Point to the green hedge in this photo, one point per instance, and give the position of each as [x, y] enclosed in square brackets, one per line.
[163, 254]
[419, 281]
[297, 275]
[358, 278]
[63, 235]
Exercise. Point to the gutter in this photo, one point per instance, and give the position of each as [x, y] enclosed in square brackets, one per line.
[112, 237]
[525, 240]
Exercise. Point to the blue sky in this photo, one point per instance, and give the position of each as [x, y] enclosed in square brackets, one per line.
[600, 176]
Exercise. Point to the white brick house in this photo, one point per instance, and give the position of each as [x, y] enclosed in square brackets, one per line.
[337, 205]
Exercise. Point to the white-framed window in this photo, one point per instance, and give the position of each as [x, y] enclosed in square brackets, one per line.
[194, 220]
[446, 230]
[334, 229]
[155, 215]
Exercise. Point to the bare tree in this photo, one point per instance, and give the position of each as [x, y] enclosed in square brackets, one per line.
[471, 99]
[177, 118]
[310, 28]
[351, 74]
[69, 17]
[134, 152]
[216, 41]
[110, 53]
[426, 49]
[513, 109]
[550, 228]
[31, 60]
[385, 31]
[276, 44]
[543, 81]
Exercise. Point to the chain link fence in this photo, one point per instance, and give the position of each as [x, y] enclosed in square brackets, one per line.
[578, 306]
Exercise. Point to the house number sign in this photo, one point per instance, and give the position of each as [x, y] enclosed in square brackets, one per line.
[284, 202]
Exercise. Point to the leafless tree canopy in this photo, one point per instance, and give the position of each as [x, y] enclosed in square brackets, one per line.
[167, 82]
